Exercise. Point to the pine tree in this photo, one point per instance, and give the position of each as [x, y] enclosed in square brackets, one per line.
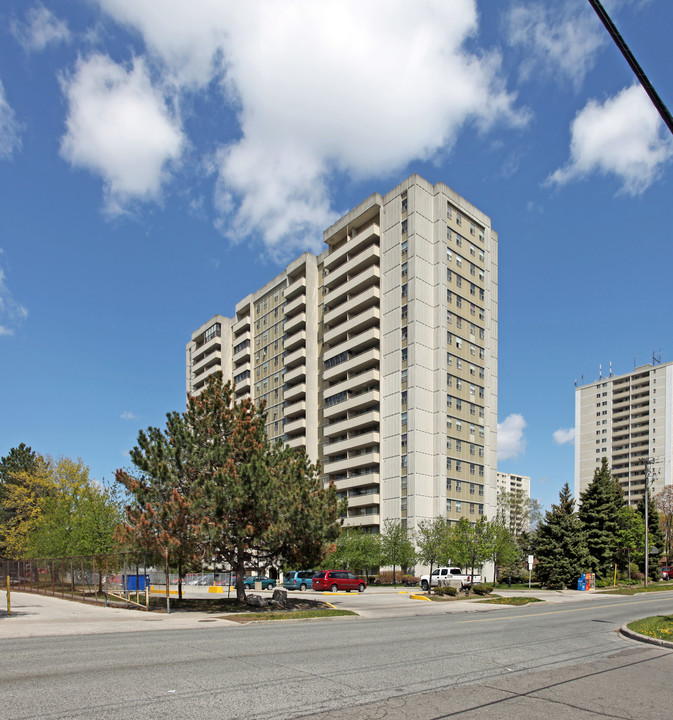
[560, 546]
[599, 512]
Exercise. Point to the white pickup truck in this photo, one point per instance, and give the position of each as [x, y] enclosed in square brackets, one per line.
[448, 573]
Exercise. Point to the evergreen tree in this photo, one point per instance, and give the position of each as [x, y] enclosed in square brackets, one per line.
[655, 537]
[599, 512]
[560, 546]
[214, 484]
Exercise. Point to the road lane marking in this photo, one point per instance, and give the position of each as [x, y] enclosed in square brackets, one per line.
[553, 612]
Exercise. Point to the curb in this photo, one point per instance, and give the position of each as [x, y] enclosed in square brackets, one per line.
[623, 630]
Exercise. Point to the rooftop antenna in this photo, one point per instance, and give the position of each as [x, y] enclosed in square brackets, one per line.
[656, 357]
[610, 368]
[600, 371]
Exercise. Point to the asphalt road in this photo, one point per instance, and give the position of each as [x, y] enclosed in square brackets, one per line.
[554, 661]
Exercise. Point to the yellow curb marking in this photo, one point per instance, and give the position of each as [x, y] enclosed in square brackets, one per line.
[419, 597]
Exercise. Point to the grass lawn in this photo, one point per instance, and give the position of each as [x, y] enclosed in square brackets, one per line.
[633, 590]
[658, 626]
[281, 615]
[511, 600]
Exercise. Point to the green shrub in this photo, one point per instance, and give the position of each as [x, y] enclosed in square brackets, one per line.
[451, 591]
[483, 589]
[410, 580]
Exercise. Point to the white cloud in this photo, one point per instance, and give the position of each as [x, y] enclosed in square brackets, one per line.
[559, 40]
[563, 436]
[622, 137]
[511, 440]
[10, 137]
[12, 313]
[335, 86]
[120, 127]
[42, 28]
[128, 415]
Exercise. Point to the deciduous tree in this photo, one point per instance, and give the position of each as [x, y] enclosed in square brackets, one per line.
[432, 541]
[664, 503]
[396, 546]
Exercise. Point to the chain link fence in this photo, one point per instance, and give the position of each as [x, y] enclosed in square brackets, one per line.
[119, 580]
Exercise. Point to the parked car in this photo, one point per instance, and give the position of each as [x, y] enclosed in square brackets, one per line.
[298, 580]
[667, 573]
[267, 583]
[446, 574]
[335, 580]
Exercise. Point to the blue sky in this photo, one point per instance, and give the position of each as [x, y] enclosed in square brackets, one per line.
[159, 161]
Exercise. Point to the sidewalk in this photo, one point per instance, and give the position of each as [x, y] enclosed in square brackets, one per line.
[40, 615]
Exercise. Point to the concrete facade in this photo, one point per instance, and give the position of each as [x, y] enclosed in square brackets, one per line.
[627, 419]
[379, 356]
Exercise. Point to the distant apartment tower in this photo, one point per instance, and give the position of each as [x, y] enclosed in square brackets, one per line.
[518, 485]
[379, 356]
[627, 419]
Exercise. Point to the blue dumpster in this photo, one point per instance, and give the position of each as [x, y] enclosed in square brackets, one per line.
[135, 583]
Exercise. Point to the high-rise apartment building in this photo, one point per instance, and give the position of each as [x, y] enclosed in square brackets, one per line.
[627, 419]
[379, 356]
[517, 494]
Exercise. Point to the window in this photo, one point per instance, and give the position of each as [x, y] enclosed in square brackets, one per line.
[405, 247]
[404, 227]
[404, 203]
[403, 440]
[405, 290]
[405, 311]
[449, 210]
[405, 269]
[471, 488]
[404, 397]
[459, 219]
[459, 485]
[448, 463]
[403, 377]
[448, 504]
[404, 419]
[459, 467]
[471, 508]
[459, 506]
[404, 333]
[448, 483]
[459, 445]
[404, 461]
[404, 354]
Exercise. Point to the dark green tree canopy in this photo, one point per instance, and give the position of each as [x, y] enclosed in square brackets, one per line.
[599, 512]
[560, 545]
[211, 483]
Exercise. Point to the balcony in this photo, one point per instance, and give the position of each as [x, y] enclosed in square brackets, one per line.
[295, 409]
[295, 340]
[297, 322]
[298, 357]
[355, 286]
[362, 460]
[240, 326]
[358, 501]
[295, 306]
[295, 392]
[243, 385]
[353, 382]
[241, 355]
[296, 426]
[355, 324]
[297, 442]
[371, 417]
[356, 304]
[365, 236]
[362, 520]
[295, 287]
[362, 361]
[370, 338]
[214, 357]
[354, 442]
[371, 397]
[356, 264]
[293, 376]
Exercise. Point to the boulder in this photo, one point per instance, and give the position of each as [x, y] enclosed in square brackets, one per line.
[280, 595]
[256, 601]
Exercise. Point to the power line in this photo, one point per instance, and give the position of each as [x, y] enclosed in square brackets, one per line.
[633, 63]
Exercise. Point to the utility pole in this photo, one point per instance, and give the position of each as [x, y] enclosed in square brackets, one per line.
[649, 471]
